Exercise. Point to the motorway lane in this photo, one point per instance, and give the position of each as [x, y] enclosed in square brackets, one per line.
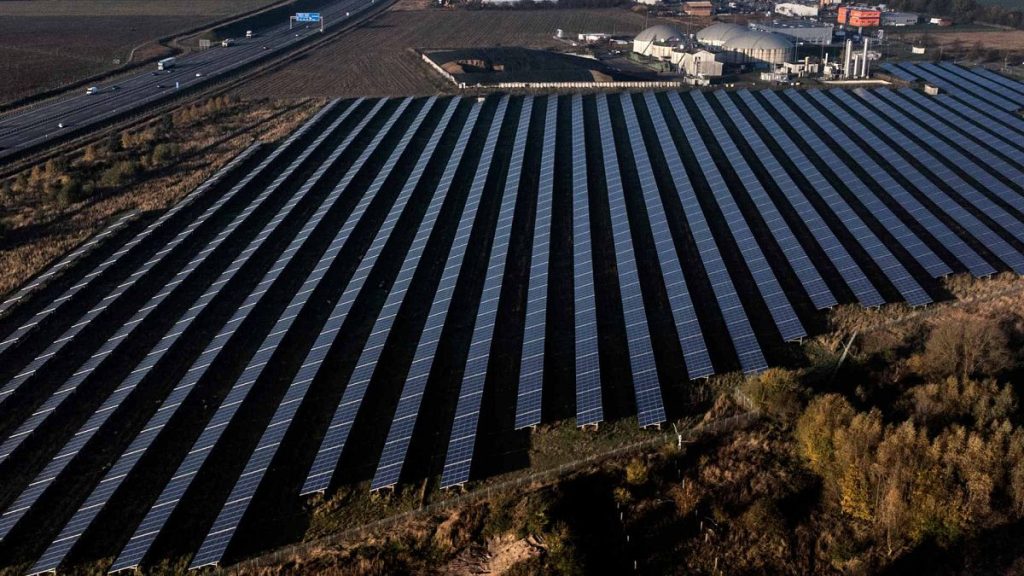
[38, 124]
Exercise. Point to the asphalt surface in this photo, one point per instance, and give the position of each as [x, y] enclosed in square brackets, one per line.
[48, 121]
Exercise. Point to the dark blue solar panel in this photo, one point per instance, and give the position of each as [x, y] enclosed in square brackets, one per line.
[589, 406]
[336, 436]
[939, 167]
[958, 135]
[58, 344]
[183, 277]
[153, 523]
[115, 258]
[216, 542]
[890, 266]
[862, 288]
[817, 290]
[1014, 85]
[69, 535]
[67, 453]
[467, 411]
[748, 350]
[976, 80]
[691, 339]
[989, 97]
[646, 386]
[404, 421]
[901, 233]
[1009, 255]
[964, 253]
[1006, 119]
[951, 155]
[531, 364]
[779, 307]
[957, 115]
[898, 72]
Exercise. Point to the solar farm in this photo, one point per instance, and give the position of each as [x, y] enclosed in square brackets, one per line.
[399, 282]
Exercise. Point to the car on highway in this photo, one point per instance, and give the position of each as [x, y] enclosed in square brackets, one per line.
[92, 90]
[199, 74]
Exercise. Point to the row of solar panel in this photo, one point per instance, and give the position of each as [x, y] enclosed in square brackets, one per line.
[903, 197]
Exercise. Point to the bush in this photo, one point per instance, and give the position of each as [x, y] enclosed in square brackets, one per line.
[165, 154]
[120, 174]
[962, 346]
[777, 391]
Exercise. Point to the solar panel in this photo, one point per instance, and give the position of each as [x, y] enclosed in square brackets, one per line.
[64, 262]
[973, 80]
[336, 437]
[1004, 118]
[887, 101]
[1014, 85]
[779, 307]
[467, 409]
[691, 339]
[944, 155]
[862, 288]
[98, 498]
[931, 263]
[964, 253]
[646, 385]
[126, 330]
[960, 116]
[100, 416]
[217, 539]
[989, 97]
[396, 446]
[137, 547]
[814, 285]
[905, 284]
[16, 335]
[531, 364]
[589, 407]
[992, 241]
[970, 167]
[747, 348]
[59, 343]
[899, 73]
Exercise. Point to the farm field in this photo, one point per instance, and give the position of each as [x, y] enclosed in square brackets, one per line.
[391, 297]
[46, 44]
[375, 59]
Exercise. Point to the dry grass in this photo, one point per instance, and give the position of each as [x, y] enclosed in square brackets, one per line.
[45, 44]
[991, 38]
[39, 231]
[378, 59]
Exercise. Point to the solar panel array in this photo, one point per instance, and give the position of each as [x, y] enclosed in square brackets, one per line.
[786, 204]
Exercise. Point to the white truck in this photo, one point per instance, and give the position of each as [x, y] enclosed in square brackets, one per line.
[165, 64]
[248, 34]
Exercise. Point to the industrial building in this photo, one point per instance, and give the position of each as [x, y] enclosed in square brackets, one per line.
[697, 62]
[658, 41]
[797, 10]
[899, 18]
[741, 45]
[698, 8]
[860, 16]
[798, 30]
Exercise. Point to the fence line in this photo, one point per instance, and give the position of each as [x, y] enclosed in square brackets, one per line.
[689, 435]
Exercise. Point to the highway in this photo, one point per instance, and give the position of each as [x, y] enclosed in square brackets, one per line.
[49, 120]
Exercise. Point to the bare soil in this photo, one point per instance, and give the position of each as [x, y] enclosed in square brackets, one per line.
[379, 58]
